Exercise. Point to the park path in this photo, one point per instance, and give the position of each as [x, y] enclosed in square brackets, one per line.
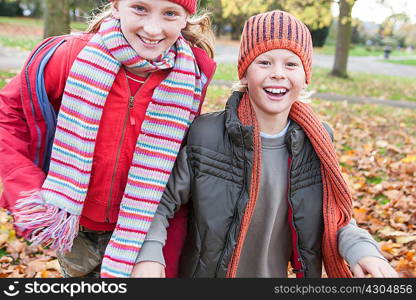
[12, 59]
[227, 53]
[368, 64]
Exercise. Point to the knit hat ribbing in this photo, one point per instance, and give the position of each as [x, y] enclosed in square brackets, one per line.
[275, 30]
[189, 5]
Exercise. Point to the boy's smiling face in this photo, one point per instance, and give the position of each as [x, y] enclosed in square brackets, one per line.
[275, 80]
[150, 26]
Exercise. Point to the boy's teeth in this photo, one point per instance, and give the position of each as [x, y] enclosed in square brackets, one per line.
[276, 91]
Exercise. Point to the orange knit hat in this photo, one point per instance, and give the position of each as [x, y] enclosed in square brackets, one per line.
[275, 30]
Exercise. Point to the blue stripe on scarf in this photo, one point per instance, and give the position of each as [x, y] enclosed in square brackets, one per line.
[84, 86]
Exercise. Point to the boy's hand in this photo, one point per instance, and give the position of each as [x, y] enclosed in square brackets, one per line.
[374, 266]
[148, 269]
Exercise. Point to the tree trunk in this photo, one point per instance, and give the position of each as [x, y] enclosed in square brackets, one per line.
[56, 18]
[343, 38]
[237, 27]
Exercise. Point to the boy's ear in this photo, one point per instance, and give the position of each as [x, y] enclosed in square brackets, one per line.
[244, 80]
[305, 85]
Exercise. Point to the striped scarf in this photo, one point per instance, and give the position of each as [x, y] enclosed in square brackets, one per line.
[51, 216]
[337, 199]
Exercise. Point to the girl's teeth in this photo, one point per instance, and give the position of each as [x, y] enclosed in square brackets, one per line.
[150, 42]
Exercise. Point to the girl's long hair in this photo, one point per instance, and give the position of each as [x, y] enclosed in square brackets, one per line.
[198, 31]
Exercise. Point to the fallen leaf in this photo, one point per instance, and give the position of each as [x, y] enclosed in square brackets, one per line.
[388, 232]
[44, 274]
[405, 239]
[53, 265]
[360, 214]
[3, 239]
[410, 255]
[389, 247]
[6, 259]
[394, 148]
[37, 265]
[381, 144]
[15, 246]
[409, 159]
[393, 195]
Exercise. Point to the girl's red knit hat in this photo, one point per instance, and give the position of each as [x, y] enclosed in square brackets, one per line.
[275, 30]
[189, 5]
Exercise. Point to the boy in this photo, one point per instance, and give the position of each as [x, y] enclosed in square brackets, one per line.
[261, 178]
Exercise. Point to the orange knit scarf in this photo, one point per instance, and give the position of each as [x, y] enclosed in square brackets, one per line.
[337, 200]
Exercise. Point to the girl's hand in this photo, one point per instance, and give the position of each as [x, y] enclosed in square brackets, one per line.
[148, 269]
[374, 266]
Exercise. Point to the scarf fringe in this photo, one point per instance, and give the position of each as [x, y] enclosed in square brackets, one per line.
[44, 224]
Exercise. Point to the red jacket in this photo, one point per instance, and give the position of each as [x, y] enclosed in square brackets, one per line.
[24, 129]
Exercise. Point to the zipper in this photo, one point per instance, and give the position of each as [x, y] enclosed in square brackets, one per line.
[235, 209]
[297, 257]
[132, 122]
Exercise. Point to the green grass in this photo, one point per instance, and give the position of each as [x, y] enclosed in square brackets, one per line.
[79, 26]
[409, 62]
[215, 98]
[226, 71]
[364, 85]
[32, 22]
[4, 76]
[374, 180]
[24, 43]
[22, 21]
[3, 252]
[359, 84]
[382, 199]
[354, 51]
[26, 33]
[362, 51]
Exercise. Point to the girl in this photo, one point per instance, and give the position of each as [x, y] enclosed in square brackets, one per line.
[125, 94]
[261, 177]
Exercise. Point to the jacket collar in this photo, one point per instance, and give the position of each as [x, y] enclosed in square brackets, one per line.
[295, 136]
[231, 115]
[239, 133]
[294, 139]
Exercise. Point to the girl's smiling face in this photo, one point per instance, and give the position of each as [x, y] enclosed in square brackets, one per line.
[150, 26]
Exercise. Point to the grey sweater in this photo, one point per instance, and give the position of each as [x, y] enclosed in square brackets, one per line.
[267, 248]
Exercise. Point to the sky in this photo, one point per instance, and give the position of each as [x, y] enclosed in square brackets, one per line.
[371, 11]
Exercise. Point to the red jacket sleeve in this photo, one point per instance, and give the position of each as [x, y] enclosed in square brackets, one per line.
[17, 170]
